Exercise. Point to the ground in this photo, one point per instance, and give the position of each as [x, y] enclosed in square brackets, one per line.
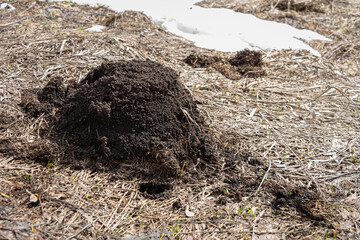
[285, 135]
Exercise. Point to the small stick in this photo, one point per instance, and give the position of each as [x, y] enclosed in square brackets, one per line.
[62, 46]
[20, 20]
[262, 181]
[189, 118]
[84, 228]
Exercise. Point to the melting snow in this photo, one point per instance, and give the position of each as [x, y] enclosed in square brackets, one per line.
[216, 28]
[96, 28]
[6, 6]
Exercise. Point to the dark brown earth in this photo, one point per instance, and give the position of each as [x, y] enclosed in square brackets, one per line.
[245, 62]
[201, 61]
[303, 6]
[125, 110]
[307, 203]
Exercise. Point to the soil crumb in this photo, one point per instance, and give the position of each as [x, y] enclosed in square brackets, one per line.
[244, 63]
[135, 111]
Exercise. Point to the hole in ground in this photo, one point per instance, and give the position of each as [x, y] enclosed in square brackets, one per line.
[153, 188]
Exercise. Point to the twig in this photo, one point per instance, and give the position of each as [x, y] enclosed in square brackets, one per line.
[31, 6]
[29, 226]
[114, 212]
[84, 228]
[343, 177]
[262, 181]
[189, 118]
[62, 46]
[20, 20]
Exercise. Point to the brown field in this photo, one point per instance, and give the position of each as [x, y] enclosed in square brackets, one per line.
[283, 130]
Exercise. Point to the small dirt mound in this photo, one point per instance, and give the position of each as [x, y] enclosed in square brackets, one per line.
[128, 111]
[306, 202]
[247, 58]
[202, 61]
[244, 63]
[39, 101]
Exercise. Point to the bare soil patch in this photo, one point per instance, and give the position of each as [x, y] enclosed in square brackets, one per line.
[302, 6]
[245, 62]
[286, 141]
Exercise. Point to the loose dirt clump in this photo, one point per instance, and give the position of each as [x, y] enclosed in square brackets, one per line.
[306, 202]
[247, 58]
[245, 62]
[202, 61]
[303, 6]
[127, 111]
[39, 101]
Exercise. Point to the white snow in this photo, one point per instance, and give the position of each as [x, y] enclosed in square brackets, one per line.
[216, 28]
[6, 6]
[96, 28]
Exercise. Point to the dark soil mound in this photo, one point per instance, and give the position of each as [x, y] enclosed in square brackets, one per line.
[129, 110]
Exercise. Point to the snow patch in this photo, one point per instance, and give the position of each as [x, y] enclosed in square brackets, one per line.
[217, 28]
[6, 6]
[96, 28]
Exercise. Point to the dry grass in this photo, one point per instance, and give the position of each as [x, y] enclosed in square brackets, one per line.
[295, 127]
